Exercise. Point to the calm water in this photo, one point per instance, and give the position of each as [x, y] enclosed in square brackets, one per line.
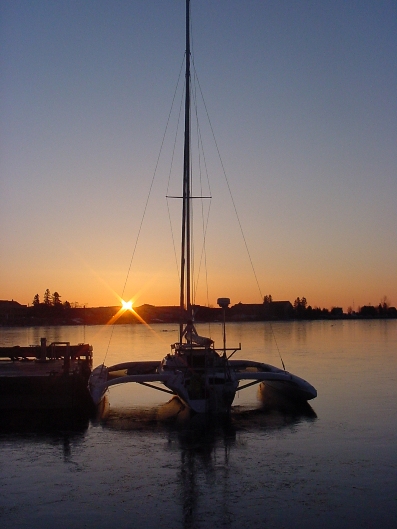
[143, 464]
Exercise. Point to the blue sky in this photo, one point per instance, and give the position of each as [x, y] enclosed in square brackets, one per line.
[302, 100]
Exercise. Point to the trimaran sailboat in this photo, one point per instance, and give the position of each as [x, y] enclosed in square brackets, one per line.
[204, 378]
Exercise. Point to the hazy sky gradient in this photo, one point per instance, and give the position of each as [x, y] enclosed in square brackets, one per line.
[302, 99]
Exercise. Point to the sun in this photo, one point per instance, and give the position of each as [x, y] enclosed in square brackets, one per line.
[126, 305]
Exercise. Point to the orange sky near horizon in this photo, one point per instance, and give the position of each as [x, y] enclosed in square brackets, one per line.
[159, 289]
[303, 102]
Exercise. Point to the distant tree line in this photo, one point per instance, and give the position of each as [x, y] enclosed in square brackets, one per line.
[52, 311]
[53, 300]
[302, 310]
[382, 310]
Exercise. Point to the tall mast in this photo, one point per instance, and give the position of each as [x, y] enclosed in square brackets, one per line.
[185, 301]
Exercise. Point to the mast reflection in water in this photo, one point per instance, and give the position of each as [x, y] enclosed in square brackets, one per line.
[203, 444]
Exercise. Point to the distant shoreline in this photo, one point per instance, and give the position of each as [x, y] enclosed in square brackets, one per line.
[12, 314]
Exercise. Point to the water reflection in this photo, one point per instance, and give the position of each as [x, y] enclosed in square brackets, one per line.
[207, 447]
[157, 466]
[275, 411]
[55, 428]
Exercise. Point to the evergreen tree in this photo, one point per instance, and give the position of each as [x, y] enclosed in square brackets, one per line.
[36, 300]
[297, 303]
[47, 298]
[300, 306]
[56, 299]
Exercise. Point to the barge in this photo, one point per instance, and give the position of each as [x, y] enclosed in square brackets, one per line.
[46, 377]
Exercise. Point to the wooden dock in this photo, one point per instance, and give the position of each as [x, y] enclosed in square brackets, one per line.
[45, 377]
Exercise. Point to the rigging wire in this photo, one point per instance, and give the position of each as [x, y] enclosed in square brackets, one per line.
[204, 218]
[152, 181]
[235, 210]
[205, 222]
[230, 192]
[201, 160]
[146, 203]
[168, 186]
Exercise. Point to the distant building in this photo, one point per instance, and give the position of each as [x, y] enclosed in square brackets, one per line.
[11, 312]
[247, 312]
[337, 311]
[279, 310]
[273, 310]
[368, 311]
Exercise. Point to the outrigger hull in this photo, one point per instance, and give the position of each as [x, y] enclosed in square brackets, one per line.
[290, 385]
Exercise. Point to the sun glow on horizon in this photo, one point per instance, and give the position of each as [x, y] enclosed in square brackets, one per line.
[126, 305]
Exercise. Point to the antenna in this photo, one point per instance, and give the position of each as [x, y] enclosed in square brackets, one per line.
[224, 303]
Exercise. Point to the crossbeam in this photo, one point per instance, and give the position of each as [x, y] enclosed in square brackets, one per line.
[156, 387]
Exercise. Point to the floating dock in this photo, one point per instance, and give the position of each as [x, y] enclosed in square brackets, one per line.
[45, 377]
